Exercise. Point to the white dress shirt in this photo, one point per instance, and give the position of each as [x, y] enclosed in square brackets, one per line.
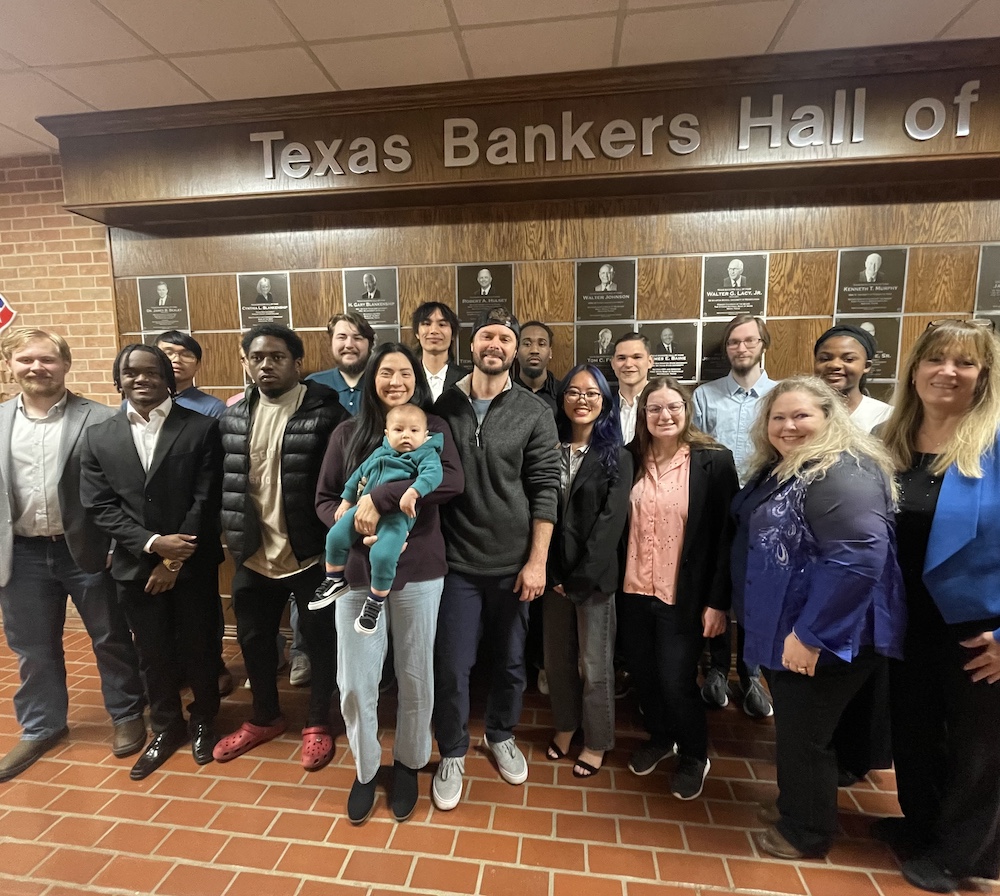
[34, 454]
[626, 413]
[145, 435]
[436, 381]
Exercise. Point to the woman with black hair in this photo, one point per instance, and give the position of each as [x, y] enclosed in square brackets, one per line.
[842, 358]
[393, 378]
[579, 607]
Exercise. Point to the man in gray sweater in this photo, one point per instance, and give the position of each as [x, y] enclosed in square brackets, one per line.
[497, 538]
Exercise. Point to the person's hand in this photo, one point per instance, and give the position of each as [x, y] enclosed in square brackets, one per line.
[160, 579]
[366, 518]
[530, 581]
[408, 503]
[174, 547]
[798, 657]
[713, 622]
[985, 665]
[342, 508]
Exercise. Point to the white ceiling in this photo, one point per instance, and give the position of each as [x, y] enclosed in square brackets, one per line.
[64, 56]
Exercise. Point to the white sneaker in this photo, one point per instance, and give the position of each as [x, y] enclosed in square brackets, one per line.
[301, 672]
[446, 788]
[513, 766]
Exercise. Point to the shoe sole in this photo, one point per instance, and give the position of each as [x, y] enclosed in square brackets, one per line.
[708, 701]
[357, 821]
[694, 796]
[652, 768]
[443, 804]
[364, 631]
[322, 603]
[407, 816]
[507, 776]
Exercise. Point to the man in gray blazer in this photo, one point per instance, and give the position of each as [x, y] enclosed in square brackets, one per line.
[48, 550]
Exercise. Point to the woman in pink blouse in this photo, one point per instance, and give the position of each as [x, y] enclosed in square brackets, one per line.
[676, 591]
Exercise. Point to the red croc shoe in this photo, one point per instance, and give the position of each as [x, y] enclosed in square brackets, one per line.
[245, 738]
[317, 747]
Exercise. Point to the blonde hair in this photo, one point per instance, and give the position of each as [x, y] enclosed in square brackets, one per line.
[811, 460]
[19, 337]
[976, 433]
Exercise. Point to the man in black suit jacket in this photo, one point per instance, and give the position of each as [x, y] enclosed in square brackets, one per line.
[152, 480]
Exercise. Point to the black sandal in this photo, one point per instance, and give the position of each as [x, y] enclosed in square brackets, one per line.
[588, 770]
[553, 753]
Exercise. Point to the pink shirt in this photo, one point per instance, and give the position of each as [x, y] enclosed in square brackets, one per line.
[659, 503]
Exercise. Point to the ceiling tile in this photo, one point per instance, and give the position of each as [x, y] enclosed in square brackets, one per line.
[541, 47]
[476, 12]
[393, 61]
[128, 85]
[265, 72]
[57, 32]
[983, 20]
[182, 26]
[821, 25]
[26, 95]
[15, 144]
[744, 29]
[329, 21]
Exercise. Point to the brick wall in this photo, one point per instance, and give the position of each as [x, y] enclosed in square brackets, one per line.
[55, 270]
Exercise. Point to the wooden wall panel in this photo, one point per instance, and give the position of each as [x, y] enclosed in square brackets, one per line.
[544, 291]
[316, 297]
[913, 326]
[941, 278]
[220, 362]
[213, 302]
[792, 340]
[562, 350]
[669, 288]
[801, 283]
[127, 305]
[425, 284]
[318, 356]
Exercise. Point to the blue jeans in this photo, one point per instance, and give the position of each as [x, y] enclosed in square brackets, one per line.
[467, 603]
[580, 635]
[34, 613]
[411, 614]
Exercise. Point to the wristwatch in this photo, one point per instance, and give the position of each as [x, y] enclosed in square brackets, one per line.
[173, 565]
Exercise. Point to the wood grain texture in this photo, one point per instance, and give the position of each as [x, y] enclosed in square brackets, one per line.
[941, 280]
[562, 350]
[425, 284]
[544, 292]
[213, 302]
[318, 356]
[792, 341]
[801, 283]
[127, 305]
[669, 288]
[220, 362]
[914, 325]
[316, 297]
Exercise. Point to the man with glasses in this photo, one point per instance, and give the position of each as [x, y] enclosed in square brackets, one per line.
[184, 352]
[726, 409]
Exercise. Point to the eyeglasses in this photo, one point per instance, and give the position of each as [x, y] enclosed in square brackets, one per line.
[983, 323]
[654, 410]
[752, 342]
[180, 354]
[592, 396]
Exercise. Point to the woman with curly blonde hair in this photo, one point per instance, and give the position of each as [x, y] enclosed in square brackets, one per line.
[817, 588]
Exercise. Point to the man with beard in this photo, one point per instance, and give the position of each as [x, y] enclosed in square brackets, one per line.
[631, 361]
[497, 539]
[351, 341]
[726, 409]
[48, 550]
[534, 352]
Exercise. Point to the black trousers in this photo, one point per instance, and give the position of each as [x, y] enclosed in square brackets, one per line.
[944, 741]
[806, 713]
[662, 651]
[258, 603]
[176, 638]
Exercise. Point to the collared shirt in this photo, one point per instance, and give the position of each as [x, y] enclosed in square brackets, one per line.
[659, 514]
[146, 433]
[34, 454]
[569, 466]
[350, 396]
[626, 413]
[436, 381]
[725, 410]
[194, 399]
[547, 392]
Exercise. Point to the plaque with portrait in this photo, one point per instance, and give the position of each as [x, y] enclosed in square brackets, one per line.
[605, 289]
[595, 344]
[674, 347]
[480, 287]
[988, 289]
[714, 358]
[374, 294]
[734, 284]
[264, 299]
[163, 304]
[870, 281]
[885, 328]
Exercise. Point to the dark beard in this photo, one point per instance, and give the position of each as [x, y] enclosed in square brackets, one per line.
[355, 369]
[478, 363]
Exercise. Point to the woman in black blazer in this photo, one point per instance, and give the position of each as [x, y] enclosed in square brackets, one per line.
[676, 588]
[579, 607]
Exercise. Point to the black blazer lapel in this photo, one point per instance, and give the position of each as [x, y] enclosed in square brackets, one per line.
[697, 495]
[172, 428]
[590, 466]
[121, 435]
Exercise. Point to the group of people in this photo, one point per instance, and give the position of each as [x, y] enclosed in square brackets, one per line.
[407, 505]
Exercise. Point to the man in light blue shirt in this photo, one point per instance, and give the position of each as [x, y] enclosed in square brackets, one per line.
[351, 341]
[726, 409]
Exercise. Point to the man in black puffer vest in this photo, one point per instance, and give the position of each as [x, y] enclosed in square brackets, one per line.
[274, 441]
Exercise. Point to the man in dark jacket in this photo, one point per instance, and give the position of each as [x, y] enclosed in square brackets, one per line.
[497, 539]
[274, 441]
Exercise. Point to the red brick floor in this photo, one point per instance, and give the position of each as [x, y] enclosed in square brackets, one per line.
[260, 826]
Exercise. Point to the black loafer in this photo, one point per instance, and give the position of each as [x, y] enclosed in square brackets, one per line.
[361, 801]
[160, 749]
[404, 791]
[203, 741]
[926, 874]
